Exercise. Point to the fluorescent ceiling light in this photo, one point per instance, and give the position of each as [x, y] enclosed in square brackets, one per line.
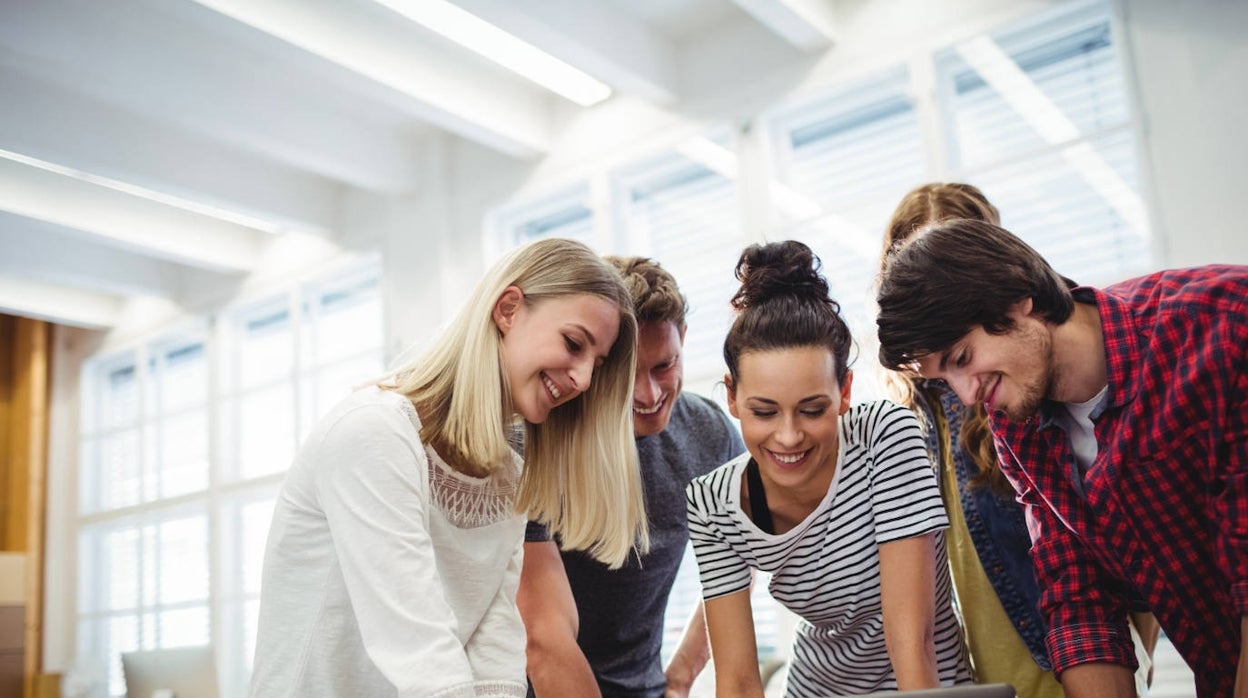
[525, 59]
[1038, 110]
[167, 199]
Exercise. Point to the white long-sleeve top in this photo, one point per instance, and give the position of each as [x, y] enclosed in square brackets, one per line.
[386, 572]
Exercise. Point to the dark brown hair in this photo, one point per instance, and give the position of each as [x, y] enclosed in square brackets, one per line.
[959, 275]
[782, 303]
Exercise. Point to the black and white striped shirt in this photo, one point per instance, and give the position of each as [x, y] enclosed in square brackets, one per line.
[827, 569]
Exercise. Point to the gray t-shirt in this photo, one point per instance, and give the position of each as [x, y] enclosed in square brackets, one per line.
[622, 610]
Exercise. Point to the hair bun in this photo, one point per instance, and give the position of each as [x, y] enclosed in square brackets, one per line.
[777, 269]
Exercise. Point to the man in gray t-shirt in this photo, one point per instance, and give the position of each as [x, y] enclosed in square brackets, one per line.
[596, 631]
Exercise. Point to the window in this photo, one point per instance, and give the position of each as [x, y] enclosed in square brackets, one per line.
[144, 583]
[1035, 115]
[143, 566]
[243, 532]
[340, 342]
[1041, 123]
[681, 209]
[852, 154]
[185, 440]
[566, 214]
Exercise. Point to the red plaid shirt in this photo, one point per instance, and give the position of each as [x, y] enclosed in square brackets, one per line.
[1161, 515]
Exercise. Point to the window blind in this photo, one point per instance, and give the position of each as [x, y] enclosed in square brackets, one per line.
[687, 218]
[1043, 126]
[855, 153]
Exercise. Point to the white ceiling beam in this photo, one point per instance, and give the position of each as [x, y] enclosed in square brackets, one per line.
[39, 118]
[125, 220]
[610, 45]
[427, 79]
[59, 304]
[809, 25]
[42, 251]
[170, 64]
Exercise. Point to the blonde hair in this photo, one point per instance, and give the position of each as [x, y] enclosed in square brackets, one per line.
[922, 207]
[581, 475]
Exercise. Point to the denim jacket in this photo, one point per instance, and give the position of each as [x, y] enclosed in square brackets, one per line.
[997, 526]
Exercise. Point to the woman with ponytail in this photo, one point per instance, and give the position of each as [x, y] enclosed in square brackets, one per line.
[838, 504]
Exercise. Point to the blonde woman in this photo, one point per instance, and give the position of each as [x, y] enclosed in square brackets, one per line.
[394, 555]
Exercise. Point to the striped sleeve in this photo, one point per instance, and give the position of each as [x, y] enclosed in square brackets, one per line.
[905, 496]
[711, 527]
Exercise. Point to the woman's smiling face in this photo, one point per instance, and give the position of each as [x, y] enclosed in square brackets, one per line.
[789, 404]
[552, 346]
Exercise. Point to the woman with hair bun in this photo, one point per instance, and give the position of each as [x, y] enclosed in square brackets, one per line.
[839, 504]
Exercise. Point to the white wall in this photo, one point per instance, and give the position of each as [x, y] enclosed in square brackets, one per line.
[1190, 61]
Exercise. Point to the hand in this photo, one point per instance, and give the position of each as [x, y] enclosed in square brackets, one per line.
[678, 683]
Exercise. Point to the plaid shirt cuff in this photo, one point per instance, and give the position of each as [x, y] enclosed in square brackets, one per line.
[1239, 595]
[1084, 643]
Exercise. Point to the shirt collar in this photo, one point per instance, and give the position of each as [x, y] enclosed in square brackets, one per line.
[1122, 348]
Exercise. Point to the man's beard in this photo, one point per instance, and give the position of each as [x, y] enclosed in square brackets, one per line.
[1033, 396]
[1035, 393]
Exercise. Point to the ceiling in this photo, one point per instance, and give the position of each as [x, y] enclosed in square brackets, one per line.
[148, 147]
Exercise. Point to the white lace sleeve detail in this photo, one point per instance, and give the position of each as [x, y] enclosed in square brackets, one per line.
[469, 502]
[501, 689]
[484, 689]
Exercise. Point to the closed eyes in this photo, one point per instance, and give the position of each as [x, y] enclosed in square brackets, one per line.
[813, 413]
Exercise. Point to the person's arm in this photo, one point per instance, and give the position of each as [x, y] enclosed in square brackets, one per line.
[1087, 621]
[908, 598]
[1231, 508]
[690, 657]
[496, 650]
[371, 483]
[1098, 680]
[557, 667]
[730, 627]
[1241, 671]
[726, 581]
[908, 513]
[1232, 514]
